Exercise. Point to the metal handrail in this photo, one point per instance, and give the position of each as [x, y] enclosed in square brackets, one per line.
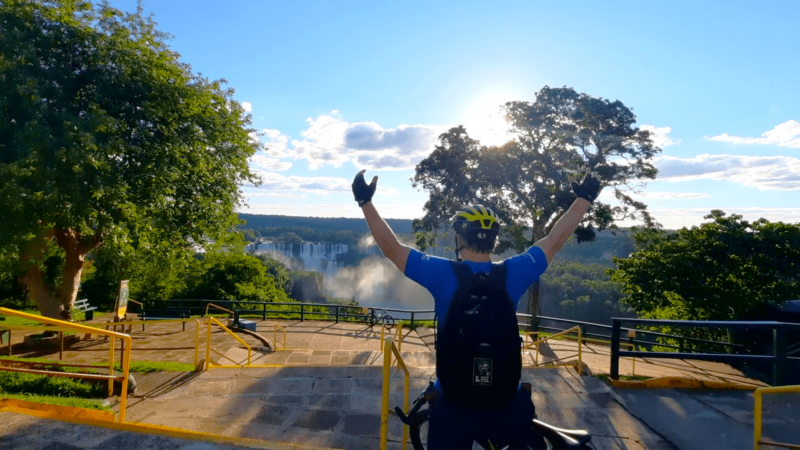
[779, 359]
[390, 349]
[218, 307]
[208, 343]
[60, 324]
[579, 354]
[757, 419]
[646, 332]
[275, 336]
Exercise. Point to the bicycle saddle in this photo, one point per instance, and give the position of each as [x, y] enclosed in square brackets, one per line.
[561, 438]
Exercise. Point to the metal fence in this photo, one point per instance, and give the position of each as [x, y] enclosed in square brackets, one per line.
[302, 311]
[779, 360]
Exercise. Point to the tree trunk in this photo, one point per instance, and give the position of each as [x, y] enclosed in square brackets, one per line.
[533, 305]
[33, 278]
[59, 306]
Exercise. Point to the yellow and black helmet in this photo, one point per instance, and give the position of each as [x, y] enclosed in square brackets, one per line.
[476, 218]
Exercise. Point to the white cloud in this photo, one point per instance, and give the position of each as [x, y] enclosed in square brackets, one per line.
[786, 134]
[273, 194]
[666, 195]
[267, 162]
[276, 182]
[760, 172]
[247, 106]
[659, 136]
[331, 140]
[676, 218]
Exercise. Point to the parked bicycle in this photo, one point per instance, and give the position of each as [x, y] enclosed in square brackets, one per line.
[383, 318]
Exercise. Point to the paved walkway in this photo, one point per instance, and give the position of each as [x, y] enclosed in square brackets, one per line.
[340, 406]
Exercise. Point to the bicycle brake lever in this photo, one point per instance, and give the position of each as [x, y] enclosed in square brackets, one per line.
[403, 417]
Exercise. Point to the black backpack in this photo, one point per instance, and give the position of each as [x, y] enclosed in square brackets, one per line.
[478, 360]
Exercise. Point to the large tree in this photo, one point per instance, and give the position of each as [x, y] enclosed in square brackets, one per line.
[526, 182]
[720, 270]
[105, 134]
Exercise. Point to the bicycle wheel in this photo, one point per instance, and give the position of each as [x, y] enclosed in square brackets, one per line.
[370, 319]
[388, 322]
[418, 430]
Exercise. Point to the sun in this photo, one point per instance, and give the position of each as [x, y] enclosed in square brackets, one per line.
[483, 117]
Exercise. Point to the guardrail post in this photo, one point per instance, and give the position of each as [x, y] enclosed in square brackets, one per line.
[615, 330]
[302, 312]
[337, 313]
[264, 312]
[779, 351]
[682, 346]
[412, 320]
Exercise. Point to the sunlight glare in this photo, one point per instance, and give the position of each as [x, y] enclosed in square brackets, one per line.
[483, 117]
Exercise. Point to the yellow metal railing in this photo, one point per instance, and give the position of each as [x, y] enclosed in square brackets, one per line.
[527, 346]
[213, 320]
[398, 335]
[275, 337]
[217, 307]
[390, 349]
[60, 325]
[757, 425]
[563, 333]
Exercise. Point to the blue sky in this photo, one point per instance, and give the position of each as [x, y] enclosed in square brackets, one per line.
[338, 86]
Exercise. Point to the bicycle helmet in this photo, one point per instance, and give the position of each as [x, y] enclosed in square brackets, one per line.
[478, 227]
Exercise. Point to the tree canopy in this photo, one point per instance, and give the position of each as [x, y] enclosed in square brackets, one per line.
[525, 181]
[106, 134]
[719, 270]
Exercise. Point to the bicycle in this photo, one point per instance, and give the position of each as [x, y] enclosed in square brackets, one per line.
[557, 438]
[385, 319]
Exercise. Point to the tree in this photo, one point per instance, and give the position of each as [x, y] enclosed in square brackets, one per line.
[278, 271]
[106, 134]
[719, 270]
[232, 276]
[525, 181]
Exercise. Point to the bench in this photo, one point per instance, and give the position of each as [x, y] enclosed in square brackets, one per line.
[164, 314]
[83, 305]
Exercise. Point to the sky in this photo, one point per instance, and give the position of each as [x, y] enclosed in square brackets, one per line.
[334, 87]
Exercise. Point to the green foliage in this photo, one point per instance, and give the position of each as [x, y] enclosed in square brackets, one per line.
[106, 134]
[526, 180]
[307, 286]
[27, 383]
[84, 403]
[315, 225]
[156, 268]
[157, 366]
[231, 275]
[278, 271]
[720, 270]
[571, 290]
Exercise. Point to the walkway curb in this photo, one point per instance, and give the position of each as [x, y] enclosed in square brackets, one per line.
[161, 430]
[679, 383]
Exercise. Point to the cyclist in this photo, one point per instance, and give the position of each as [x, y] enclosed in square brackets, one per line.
[453, 422]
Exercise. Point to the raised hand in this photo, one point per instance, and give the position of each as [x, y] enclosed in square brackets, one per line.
[362, 191]
[587, 189]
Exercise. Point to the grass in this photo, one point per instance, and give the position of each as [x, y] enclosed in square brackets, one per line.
[86, 403]
[157, 366]
[135, 366]
[417, 323]
[35, 384]
[605, 376]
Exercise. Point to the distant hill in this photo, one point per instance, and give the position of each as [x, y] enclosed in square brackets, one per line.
[257, 221]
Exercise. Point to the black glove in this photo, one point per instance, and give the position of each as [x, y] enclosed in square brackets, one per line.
[362, 191]
[589, 188]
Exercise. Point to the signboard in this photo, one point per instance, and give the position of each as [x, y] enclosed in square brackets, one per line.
[122, 299]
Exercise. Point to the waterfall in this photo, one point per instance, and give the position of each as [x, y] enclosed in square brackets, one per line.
[306, 256]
